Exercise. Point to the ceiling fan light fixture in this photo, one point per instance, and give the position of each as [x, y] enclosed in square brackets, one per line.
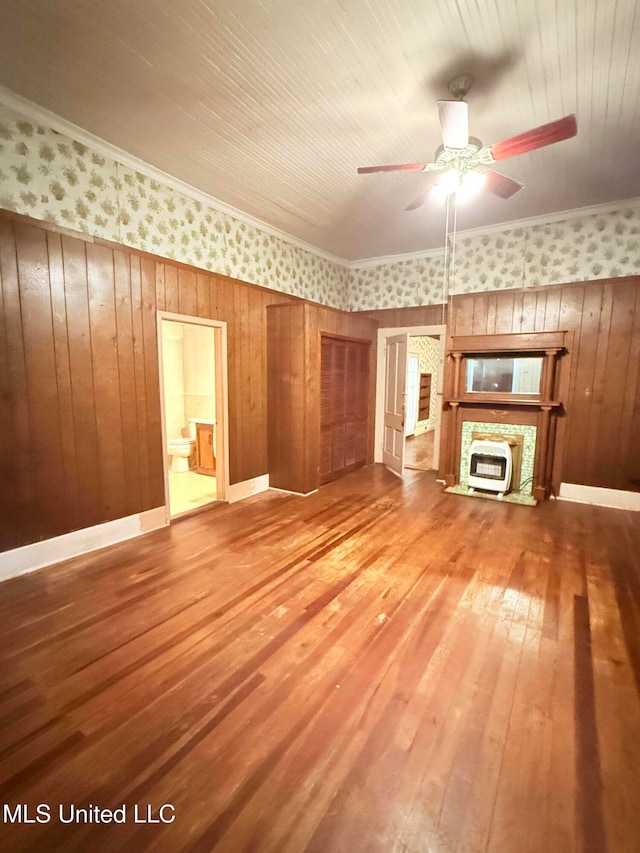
[470, 185]
[446, 184]
[463, 185]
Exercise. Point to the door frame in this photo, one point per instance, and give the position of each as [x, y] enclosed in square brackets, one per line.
[416, 357]
[413, 331]
[222, 400]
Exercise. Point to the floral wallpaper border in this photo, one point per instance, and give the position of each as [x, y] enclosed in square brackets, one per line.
[579, 248]
[53, 177]
[50, 176]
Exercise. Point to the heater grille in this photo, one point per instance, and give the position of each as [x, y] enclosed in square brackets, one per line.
[486, 466]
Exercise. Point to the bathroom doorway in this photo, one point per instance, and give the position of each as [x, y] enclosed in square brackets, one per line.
[193, 392]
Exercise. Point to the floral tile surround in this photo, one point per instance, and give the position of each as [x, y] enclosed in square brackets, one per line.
[528, 449]
[510, 498]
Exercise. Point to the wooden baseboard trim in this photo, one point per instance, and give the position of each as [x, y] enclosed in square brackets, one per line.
[614, 498]
[28, 558]
[239, 491]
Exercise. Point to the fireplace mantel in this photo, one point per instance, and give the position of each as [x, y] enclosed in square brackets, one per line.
[544, 409]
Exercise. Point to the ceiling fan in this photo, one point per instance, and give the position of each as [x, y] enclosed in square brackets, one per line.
[462, 164]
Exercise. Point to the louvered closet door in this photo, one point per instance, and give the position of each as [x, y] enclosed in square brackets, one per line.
[344, 406]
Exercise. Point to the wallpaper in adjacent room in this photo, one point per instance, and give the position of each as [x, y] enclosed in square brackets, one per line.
[580, 248]
[49, 176]
[428, 351]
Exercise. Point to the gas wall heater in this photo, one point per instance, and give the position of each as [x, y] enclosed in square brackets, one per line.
[490, 466]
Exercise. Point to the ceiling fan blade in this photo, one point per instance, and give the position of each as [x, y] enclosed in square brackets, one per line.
[420, 200]
[501, 185]
[454, 123]
[405, 167]
[546, 134]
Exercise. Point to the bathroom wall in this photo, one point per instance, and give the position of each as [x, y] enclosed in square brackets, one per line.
[199, 372]
[173, 378]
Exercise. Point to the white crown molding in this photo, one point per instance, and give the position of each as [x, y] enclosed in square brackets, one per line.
[383, 260]
[501, 227]
[43, 116]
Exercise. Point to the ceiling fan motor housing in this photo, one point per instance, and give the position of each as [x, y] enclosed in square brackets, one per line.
[460, 85]
[443, 156]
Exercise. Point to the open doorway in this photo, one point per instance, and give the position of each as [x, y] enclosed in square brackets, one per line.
[421, 408]
[419, 392]
[193, 391]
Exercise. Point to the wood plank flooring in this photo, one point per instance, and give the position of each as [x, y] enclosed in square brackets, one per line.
[418, 451]
[379, 666]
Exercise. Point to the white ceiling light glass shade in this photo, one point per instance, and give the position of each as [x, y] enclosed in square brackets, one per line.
[470, 185]
[464, 185]
[445, 185]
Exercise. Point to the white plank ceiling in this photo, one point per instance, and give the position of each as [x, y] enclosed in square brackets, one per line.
[271, 106]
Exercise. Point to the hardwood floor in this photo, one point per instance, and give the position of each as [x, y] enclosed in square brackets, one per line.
[380, 666]
[418, 451]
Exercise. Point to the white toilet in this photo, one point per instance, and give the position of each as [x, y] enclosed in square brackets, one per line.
[180, 449]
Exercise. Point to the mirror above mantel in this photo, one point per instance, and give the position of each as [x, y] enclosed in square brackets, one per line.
[506, 368]
[504, 374]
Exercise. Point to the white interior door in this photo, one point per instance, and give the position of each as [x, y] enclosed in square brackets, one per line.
[396, 363]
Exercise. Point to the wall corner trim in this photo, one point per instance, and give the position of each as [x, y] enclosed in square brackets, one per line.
[614, 498]
[239, 491]
[37, 555]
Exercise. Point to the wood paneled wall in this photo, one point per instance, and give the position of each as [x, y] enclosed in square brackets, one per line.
[81, 439]
[603, 406]
[79, 383]
[294, 388]
[289, 391]
[425, 315]
[242, 307]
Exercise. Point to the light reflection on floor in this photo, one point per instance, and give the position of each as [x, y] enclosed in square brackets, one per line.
[188, 490]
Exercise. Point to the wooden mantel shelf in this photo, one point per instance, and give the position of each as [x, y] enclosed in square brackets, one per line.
[521, 343]
[500, 402]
